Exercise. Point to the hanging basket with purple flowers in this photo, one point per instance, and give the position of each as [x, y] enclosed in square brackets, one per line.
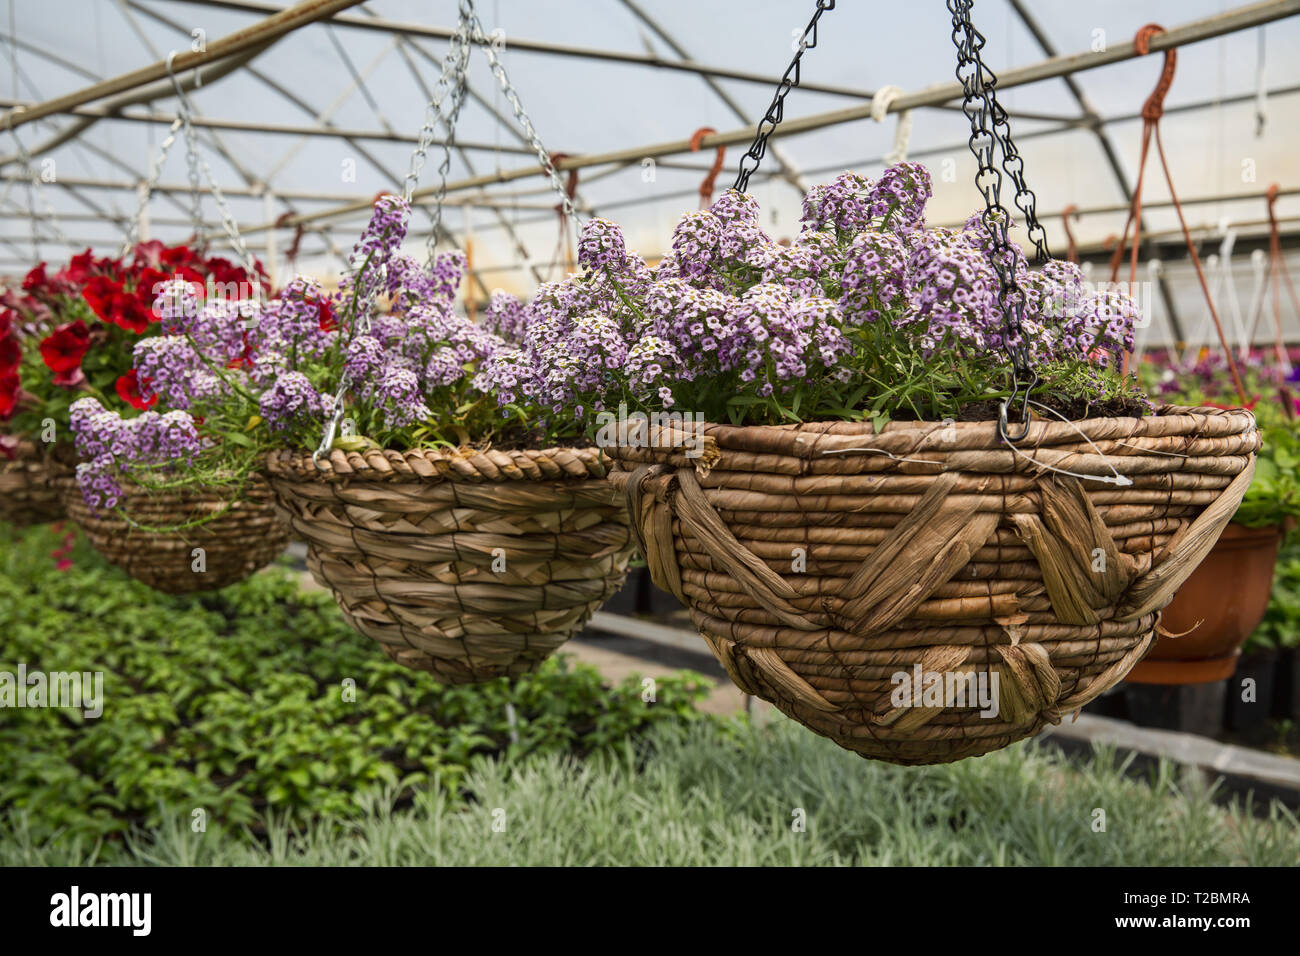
[809, 442]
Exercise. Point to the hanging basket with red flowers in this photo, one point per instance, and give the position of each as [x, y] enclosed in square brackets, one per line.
[71, 335]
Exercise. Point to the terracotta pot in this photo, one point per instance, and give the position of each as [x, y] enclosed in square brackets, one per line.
[1219, 605]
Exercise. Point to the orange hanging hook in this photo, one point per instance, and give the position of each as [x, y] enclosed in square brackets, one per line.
[1152, 110]
[719, 158]
[1071, 247]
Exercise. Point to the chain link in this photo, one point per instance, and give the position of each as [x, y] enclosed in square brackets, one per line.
[151, 181]
[776, 111]
[521, 117]
[452, 81]
[200, 170]
[989, 128]
[38, 190]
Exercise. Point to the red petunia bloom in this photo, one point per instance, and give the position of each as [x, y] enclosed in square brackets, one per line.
[36, 280]
[99, 294]
[129, 390]
[81, 268]
[149, 284]
[64, 348]
[72, 378]
[8, 394]
[111, 302]
[325, 316]
[11, 353]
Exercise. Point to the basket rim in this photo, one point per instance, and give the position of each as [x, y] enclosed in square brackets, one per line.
[558, 463]
[799, 439]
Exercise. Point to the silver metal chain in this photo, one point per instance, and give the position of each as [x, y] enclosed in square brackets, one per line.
[38, 190]
[155, 173]
[451, 82]
[512, 97]
[198, 164]
[198, 171]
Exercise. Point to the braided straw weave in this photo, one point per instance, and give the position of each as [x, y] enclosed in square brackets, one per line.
[955, 554]
[28, 491]
[470, 565]
[244, 537]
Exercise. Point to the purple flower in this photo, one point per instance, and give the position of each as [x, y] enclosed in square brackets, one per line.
[291, 402]
[600, 245]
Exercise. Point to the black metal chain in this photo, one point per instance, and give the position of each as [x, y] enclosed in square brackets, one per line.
[989, 127]
[776, 111]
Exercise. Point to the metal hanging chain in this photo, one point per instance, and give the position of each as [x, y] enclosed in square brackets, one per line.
[989, 120]
[197, 165]
[776, 111]
[452, 82]
[989, 128]
[526, 124]
[38, 190]
[151, 181]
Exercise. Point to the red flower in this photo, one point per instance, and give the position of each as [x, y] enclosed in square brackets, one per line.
[36, 280]
[78, 269]
[128, 389]
[8, 393]
[149, 254]
[325, 316]
[7, 322]
[64, 348]
[11, 354]
[114, 305]
[69, 379]
[99, 292]
[148, 286]
[178, 256]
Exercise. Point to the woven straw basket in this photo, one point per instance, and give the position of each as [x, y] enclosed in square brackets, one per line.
[28, 487]
[470, 565]
[243, 538]
[822, 560]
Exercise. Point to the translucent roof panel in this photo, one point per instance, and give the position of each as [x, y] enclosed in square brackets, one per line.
[327, 115]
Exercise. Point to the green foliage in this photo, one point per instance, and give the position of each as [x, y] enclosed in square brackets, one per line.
[1274, 493]
[1273, 497]
[709, 794]
[234, 702]
[1281, 624]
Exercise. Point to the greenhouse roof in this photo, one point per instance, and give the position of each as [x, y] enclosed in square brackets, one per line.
[308, 129]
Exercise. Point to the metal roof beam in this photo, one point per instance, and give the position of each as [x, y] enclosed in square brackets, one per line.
[272, 28]
[1050, 68]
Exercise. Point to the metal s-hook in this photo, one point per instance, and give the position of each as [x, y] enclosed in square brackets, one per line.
[1026, 416]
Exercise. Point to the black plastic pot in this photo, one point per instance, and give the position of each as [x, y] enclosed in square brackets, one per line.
[1286, 692]
[624, 600]
[1191, 708]
[639, 595]
[1244, 715]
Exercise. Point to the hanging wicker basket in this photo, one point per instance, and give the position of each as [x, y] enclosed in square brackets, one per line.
[29, 493]
[469, 565]
[820, 561]
[243, 538]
